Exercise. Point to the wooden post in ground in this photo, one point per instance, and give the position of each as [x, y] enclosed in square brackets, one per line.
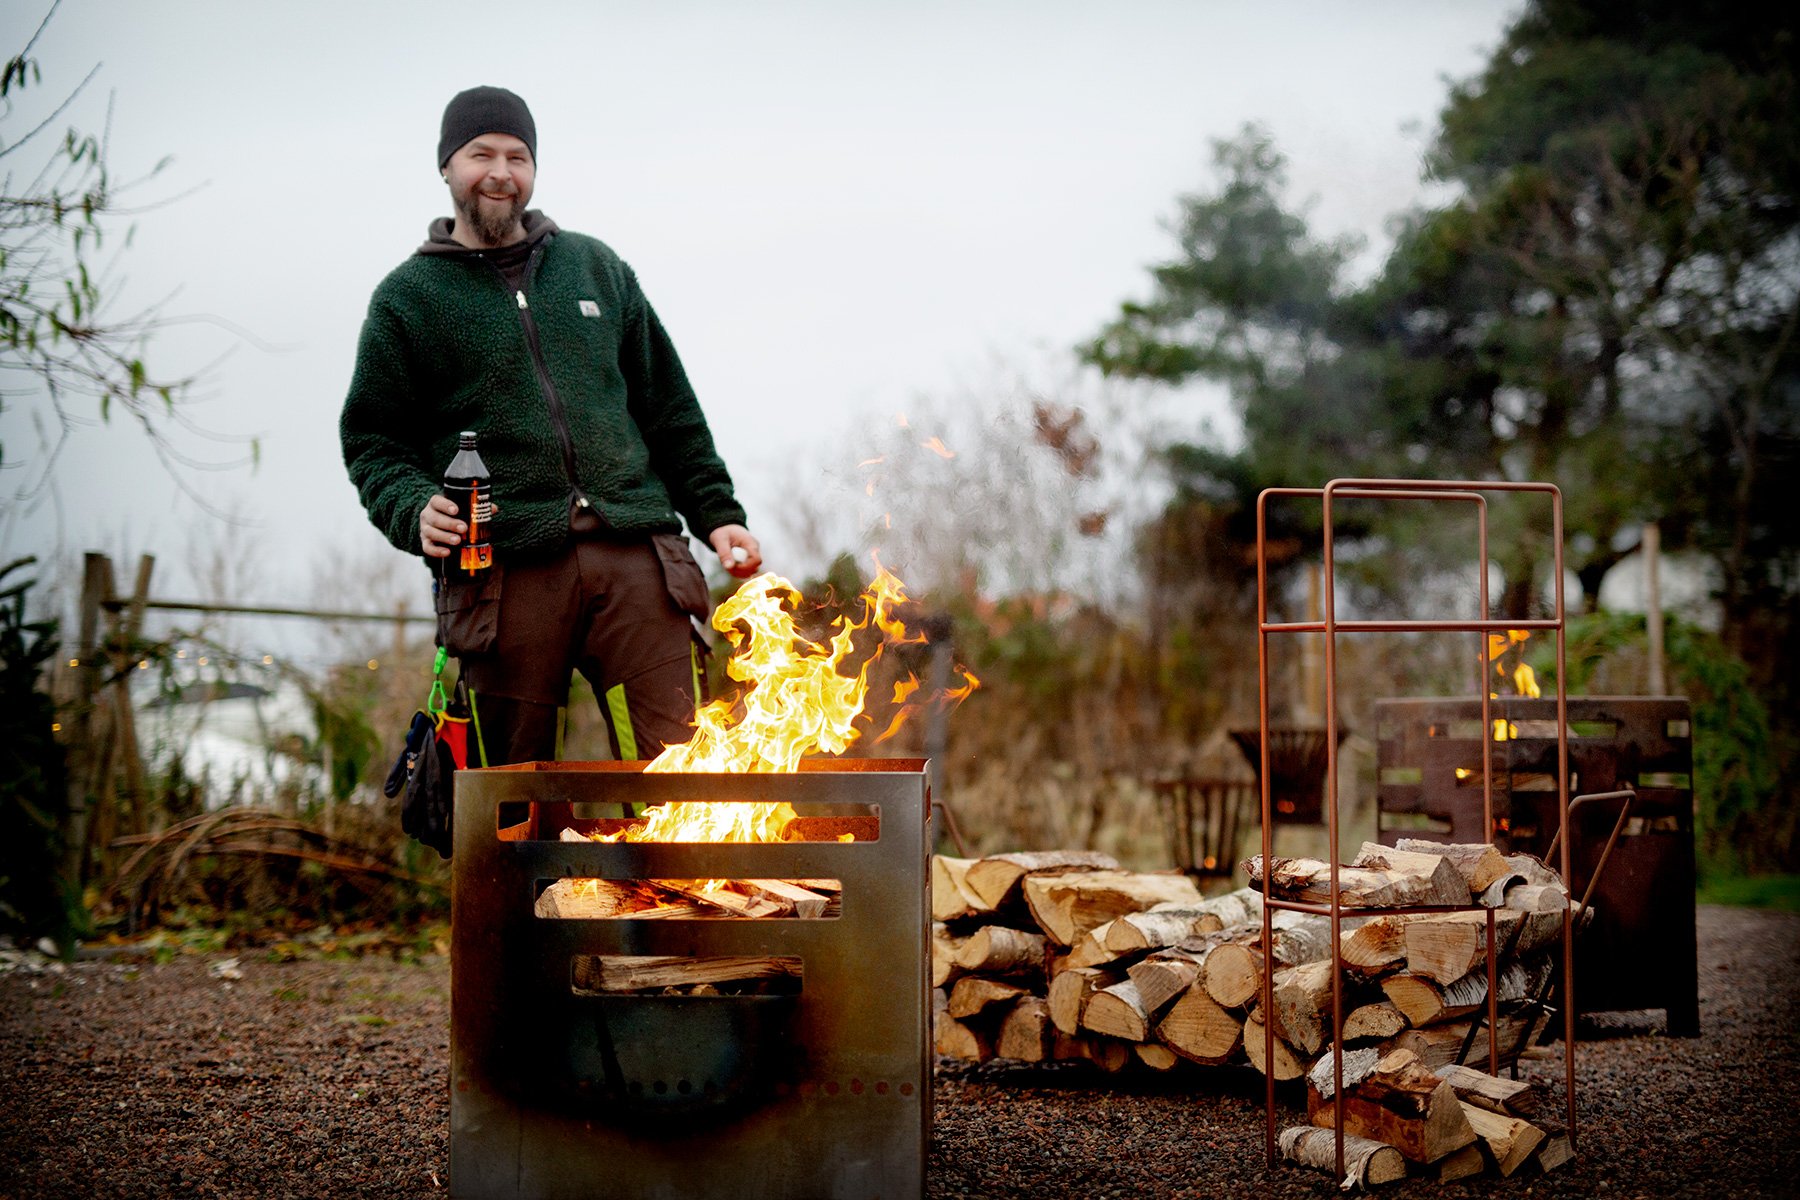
[132, 628]
[85, 676]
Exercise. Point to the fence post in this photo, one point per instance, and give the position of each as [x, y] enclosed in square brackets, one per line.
[96, 579]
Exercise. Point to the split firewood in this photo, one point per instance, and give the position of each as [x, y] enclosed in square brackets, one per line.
[1089, 950]
[1446, 946]
[1287, 1064]
[1533, 869]
[1495, 896]
[1463, 1164]
[1402, 1104]
[1064, 1048]
[1109, 1054]
[1160, 980]
[1116, 1011]
[1381, 1020]
[1509, 1140]
[800, 901]
[727, 898]
[1069, 993]
[1156, 1056]
[1198, 1029]
[1555, 1150]
[944, 968]
[951, 899]
[1508, 1097]
[998, 950]
[603, 899]
[1358, 1065]
[957, 1039]
[606, 974]
[1437, 1045]
[1171, 923]
[1381, 877]
[1067, 906]
[1478, 863]
[1366, 1163]
[1025, 1031]
[1426, 1001]
[973, 994]
[995, 879]
[1543, 906]
[1233, 973]
[1159, 927]
[1376, 947]
[1301, 997]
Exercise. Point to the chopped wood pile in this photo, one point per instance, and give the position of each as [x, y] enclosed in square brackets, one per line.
[1061, 955]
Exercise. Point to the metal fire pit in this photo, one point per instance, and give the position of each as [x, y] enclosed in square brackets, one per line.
[825, 1092]
[1640, 952]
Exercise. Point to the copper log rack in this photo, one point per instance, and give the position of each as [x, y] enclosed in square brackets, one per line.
[1474, 493]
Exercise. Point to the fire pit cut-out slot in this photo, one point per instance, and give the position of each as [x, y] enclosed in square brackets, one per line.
[688, 899]
[672, 975]
[552, 821]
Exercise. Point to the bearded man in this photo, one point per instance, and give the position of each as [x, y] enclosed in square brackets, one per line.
[541, 341]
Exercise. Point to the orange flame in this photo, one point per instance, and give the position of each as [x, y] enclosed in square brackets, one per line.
[937, 447]
[799, 701]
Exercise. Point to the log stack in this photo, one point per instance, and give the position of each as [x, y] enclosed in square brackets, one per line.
[1062, 955]
[1413, 984]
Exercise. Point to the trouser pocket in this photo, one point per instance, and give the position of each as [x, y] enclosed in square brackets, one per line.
[682, 575]
[468, 612]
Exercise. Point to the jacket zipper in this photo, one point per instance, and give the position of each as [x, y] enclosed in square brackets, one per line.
[558, 416]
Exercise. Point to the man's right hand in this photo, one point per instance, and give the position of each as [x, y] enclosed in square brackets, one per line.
[439, 530]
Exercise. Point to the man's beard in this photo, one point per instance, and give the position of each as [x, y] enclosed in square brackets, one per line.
[489, 224]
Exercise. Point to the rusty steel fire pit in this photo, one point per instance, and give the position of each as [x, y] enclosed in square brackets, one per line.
[821, 1089]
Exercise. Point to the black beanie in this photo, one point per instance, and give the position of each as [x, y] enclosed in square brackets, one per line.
[485, 110]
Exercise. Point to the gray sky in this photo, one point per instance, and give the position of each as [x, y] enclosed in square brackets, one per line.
[836, 208]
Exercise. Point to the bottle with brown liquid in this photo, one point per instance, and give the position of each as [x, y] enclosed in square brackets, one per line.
[466, 485]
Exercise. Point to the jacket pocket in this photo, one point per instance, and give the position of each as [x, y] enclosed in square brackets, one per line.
[682, 575]
[468, 612]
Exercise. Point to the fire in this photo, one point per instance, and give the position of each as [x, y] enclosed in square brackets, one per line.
[1524, 679]
[802, 698]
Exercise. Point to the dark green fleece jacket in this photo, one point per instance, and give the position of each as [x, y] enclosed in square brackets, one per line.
[572, 384]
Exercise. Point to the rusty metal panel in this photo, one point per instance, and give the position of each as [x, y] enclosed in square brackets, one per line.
[823, 1093]
[1640, 952]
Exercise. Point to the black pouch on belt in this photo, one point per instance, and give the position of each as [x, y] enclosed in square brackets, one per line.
[685, 581]
[468, 611]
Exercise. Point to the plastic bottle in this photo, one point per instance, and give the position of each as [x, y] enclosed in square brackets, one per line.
[467, 485]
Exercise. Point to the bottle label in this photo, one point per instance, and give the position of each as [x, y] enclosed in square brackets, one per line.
[474, 503]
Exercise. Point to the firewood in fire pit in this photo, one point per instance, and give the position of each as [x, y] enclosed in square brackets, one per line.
[610, 974]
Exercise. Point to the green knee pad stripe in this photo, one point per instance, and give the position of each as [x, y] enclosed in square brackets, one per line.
[620, 713]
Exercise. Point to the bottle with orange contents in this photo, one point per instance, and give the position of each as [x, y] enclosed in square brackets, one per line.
[467, 485]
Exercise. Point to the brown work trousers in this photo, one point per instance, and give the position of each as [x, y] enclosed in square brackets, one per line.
[618, 609]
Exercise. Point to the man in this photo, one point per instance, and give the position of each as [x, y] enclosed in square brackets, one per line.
[541, 341]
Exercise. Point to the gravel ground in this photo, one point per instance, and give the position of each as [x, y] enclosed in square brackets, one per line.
[330, 1078]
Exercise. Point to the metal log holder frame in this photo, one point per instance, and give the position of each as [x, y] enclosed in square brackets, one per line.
[1474, 493]
[556, 1093]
